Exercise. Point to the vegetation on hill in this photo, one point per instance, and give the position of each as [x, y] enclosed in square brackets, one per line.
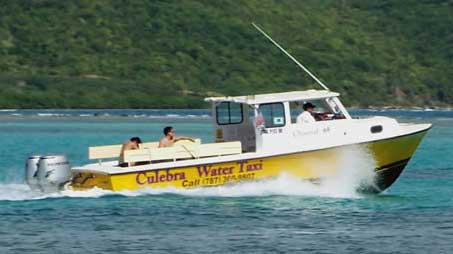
[168, 53]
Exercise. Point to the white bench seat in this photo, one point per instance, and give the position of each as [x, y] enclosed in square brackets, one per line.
[182, 152]
[113, 151]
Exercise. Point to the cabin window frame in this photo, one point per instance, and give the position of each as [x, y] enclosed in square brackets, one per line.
[229, 113]
[283, 115]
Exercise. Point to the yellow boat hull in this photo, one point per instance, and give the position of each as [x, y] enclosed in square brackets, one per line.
[389, 157]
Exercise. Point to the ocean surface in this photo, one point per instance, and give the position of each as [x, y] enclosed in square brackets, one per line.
[283, 215]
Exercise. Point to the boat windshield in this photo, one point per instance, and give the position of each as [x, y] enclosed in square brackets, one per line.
[324, 109]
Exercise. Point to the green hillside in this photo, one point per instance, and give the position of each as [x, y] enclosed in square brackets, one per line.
[160, 54]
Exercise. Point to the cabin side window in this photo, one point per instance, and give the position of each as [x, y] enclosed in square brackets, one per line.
[273, 114]
[229, 113]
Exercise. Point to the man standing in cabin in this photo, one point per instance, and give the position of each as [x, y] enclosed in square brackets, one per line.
[306, 116]
[169, 139]
[131, 144]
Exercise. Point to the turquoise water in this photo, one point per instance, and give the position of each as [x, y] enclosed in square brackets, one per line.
[283, 216]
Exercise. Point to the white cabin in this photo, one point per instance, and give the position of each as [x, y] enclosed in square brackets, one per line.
[265, 122]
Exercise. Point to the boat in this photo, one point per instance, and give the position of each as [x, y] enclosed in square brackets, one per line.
[256, 137]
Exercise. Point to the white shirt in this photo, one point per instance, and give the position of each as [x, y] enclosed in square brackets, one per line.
[305, 117]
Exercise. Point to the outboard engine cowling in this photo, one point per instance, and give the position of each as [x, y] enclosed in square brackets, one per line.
[31, 171]
[53, 172]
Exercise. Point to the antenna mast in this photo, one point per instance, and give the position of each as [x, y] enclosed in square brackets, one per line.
[291, 57]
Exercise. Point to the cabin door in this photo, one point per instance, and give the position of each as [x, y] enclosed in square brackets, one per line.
[232, 123]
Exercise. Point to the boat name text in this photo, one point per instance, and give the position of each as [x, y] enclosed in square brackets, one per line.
[244, 166]
[156, 177]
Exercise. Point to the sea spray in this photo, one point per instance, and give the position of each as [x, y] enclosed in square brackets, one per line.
[283, 185]
[18, 192]
[354, 171]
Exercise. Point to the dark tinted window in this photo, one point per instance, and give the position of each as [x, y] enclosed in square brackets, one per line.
[376, 129]
[273, 114]
[228, 113]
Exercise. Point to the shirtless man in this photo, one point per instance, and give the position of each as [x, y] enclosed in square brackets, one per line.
[170, 137]
[306, 116]
[131, 144]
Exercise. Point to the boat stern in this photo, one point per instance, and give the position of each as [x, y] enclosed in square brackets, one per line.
[84, 180]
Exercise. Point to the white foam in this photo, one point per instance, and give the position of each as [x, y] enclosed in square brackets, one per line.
[15, 192]
[140, 116]
[21, 192]
[177, 116]
[52, 115]
[355, 169]
[283, 185]
[173, 115]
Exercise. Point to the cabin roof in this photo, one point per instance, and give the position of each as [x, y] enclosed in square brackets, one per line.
[276, 97]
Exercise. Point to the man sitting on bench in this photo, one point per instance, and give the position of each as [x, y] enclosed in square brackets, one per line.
[131, 144]
[170, 138]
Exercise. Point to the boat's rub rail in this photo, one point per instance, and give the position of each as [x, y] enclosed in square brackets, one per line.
[182, 152]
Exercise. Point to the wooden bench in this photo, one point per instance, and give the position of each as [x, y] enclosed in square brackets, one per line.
[189, 151]
[113, 151]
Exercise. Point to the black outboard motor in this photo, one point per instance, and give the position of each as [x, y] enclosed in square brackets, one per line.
[51, 174]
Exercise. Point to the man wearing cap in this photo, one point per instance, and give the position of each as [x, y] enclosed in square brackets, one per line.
[306, 117]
